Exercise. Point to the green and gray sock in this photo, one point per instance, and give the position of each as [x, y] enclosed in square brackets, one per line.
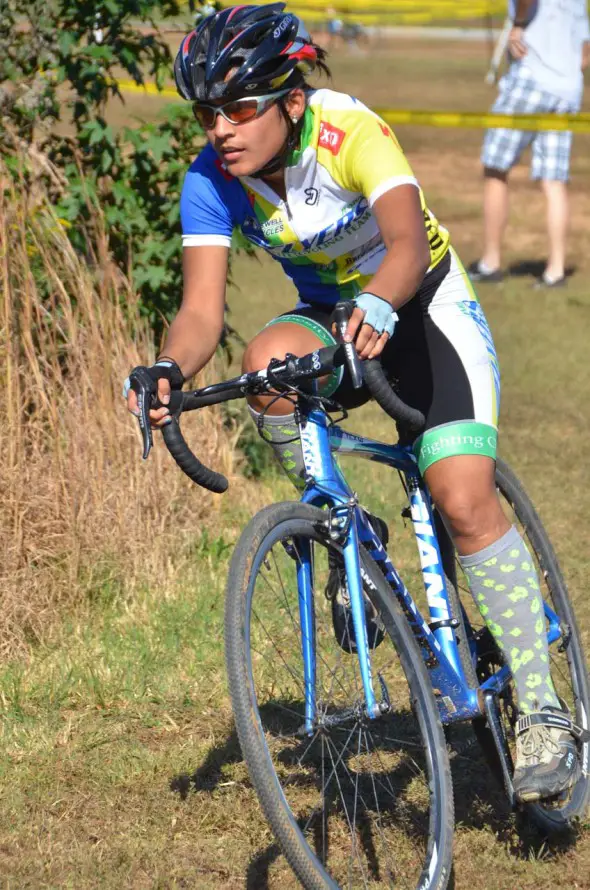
[505, 586]
[282, 434]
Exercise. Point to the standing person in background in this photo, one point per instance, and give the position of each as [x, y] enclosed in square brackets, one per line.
[549, 47]
[334, 26]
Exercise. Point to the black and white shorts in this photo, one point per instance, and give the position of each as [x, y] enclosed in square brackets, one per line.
[441, 359]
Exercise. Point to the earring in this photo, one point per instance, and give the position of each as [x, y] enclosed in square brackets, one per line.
[295, 119]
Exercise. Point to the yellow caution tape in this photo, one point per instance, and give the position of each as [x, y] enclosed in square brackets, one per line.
[462, 7]
[417, 17]
[129, 86]
[373, 12]
[578, 123]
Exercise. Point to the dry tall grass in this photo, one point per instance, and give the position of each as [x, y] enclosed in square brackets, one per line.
[82, 515]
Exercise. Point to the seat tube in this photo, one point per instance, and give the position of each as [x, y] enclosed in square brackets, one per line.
[306, 606]
[353, 576]
[433, 574]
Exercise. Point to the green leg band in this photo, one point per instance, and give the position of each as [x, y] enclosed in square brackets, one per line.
[330, 386]
[451, 439]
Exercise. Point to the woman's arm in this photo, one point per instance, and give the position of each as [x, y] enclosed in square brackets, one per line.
[400, 219]
[196, 330]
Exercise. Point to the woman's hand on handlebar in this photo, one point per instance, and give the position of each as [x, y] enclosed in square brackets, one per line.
[159, 417]
[370, 325]
[167, 376]
[369, 343]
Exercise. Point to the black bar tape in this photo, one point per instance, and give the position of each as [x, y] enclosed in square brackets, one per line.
[315, 364]
[187, 461]
[381, 390]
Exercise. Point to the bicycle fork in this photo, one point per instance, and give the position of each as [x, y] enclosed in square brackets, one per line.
[327, 487]
[341, 527]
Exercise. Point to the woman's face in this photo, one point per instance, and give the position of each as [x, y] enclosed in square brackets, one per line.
[246, 148]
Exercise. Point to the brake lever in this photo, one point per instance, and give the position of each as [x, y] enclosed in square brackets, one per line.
[342, 313]
[145, 389]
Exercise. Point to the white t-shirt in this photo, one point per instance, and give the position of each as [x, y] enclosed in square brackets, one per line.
[554, 38]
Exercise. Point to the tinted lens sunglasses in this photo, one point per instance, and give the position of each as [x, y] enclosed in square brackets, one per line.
[238, 111]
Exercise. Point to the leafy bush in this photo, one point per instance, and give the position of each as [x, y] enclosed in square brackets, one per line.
[59, 64]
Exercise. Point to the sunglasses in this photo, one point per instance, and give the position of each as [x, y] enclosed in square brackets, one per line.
[239, 111]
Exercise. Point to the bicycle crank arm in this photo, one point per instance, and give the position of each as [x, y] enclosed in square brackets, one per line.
[491, 712]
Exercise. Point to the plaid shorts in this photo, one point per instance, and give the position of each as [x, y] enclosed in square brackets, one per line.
[502, 147]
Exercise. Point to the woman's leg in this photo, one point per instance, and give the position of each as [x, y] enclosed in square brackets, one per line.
[505, 586]
[456, 383]
[298, 332]
[500, 572]
[275, 418]
[275, 341]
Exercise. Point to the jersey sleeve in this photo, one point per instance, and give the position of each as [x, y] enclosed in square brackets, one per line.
[204, 214]
[372, 159]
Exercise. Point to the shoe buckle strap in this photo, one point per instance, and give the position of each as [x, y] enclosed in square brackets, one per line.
[553, 721]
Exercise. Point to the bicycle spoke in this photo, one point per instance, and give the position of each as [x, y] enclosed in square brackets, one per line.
[367, 809]
[557, 662]
[290, 670]
[383, 841]
[311, 741]
[354, 811]
[320, 649]
[399, 805]
[343, 801]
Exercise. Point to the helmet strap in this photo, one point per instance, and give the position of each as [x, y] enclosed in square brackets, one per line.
[293, 137]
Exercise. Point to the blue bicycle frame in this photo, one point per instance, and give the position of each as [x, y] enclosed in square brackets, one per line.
[327, 487]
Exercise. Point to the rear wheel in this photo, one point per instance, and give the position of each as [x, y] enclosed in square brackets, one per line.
[359, 802]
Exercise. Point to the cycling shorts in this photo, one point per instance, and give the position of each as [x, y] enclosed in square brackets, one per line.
[441, 360]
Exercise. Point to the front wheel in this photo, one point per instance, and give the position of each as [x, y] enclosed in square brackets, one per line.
[355, 802]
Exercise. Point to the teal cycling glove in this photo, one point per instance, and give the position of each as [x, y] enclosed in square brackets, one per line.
[379, 313]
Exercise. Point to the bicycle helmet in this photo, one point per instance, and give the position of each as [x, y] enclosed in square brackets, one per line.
[244, 50]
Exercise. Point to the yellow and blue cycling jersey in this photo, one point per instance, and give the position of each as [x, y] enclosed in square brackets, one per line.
[324, 235]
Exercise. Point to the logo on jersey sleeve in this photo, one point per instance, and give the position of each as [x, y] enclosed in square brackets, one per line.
[331, 137]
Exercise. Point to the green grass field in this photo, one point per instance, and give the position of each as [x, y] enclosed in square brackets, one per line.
[119, 766]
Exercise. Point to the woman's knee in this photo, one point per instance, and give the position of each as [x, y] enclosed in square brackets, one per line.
[464, 491]
[275, 342]
[465, 510]
[258, 353]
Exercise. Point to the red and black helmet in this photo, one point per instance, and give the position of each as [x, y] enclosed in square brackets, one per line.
[264, 48]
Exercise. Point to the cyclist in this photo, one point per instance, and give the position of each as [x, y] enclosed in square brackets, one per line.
[320, 182]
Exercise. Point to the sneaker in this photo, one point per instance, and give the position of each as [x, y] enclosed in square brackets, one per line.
[547, 761]
[543, 282]
[478, 272]
[337, 592]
